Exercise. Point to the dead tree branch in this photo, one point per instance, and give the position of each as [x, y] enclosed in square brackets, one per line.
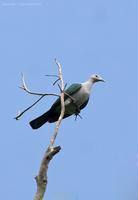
[62, 104]
[41, 178]
[42, 95]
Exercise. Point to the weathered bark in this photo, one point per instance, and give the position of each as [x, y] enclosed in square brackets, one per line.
[42, 178]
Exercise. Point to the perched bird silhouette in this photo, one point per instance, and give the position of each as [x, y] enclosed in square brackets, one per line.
[77, 98]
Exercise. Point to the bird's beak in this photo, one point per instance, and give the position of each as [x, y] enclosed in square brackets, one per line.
[102, 80]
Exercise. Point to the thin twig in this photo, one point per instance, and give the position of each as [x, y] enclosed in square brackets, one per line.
[69, 96]
[58, 78]
[52, 75]
[65, 86]
[56, 81]
[24, 87]
[62, 105]
[21, 113]
[73, 101]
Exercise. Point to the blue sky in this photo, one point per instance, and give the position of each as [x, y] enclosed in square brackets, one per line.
[99, 157]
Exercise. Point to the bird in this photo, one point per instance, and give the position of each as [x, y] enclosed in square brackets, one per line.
[76, 97]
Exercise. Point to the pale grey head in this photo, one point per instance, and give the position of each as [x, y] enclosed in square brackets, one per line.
[96, 78]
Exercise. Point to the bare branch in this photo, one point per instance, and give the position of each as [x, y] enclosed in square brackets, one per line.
[61, 87]
[21, 113]
[42, 178]
[62, 104]
[24, 87]
[69, 96]
[58, 78]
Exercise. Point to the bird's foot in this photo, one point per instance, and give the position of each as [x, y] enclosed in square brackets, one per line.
[77, 115]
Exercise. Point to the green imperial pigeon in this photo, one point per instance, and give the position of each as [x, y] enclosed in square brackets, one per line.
[77, 98]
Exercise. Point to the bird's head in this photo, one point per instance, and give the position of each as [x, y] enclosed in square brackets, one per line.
[96, 78]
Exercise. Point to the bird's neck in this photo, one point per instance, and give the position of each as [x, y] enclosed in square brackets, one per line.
[88, 85]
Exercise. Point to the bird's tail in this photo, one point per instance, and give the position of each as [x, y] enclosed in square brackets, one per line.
[39, 121]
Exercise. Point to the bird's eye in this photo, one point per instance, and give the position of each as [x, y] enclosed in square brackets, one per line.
[96, 76]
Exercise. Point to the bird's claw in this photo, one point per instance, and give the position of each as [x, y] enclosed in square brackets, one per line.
[77, 113]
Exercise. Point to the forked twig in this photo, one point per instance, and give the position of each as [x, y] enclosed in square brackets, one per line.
[24, 87]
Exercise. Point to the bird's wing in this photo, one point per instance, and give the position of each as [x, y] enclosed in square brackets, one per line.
[70, 90]
[83, 105]
[73, 89]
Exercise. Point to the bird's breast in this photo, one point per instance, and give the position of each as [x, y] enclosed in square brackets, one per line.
[79, 98]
